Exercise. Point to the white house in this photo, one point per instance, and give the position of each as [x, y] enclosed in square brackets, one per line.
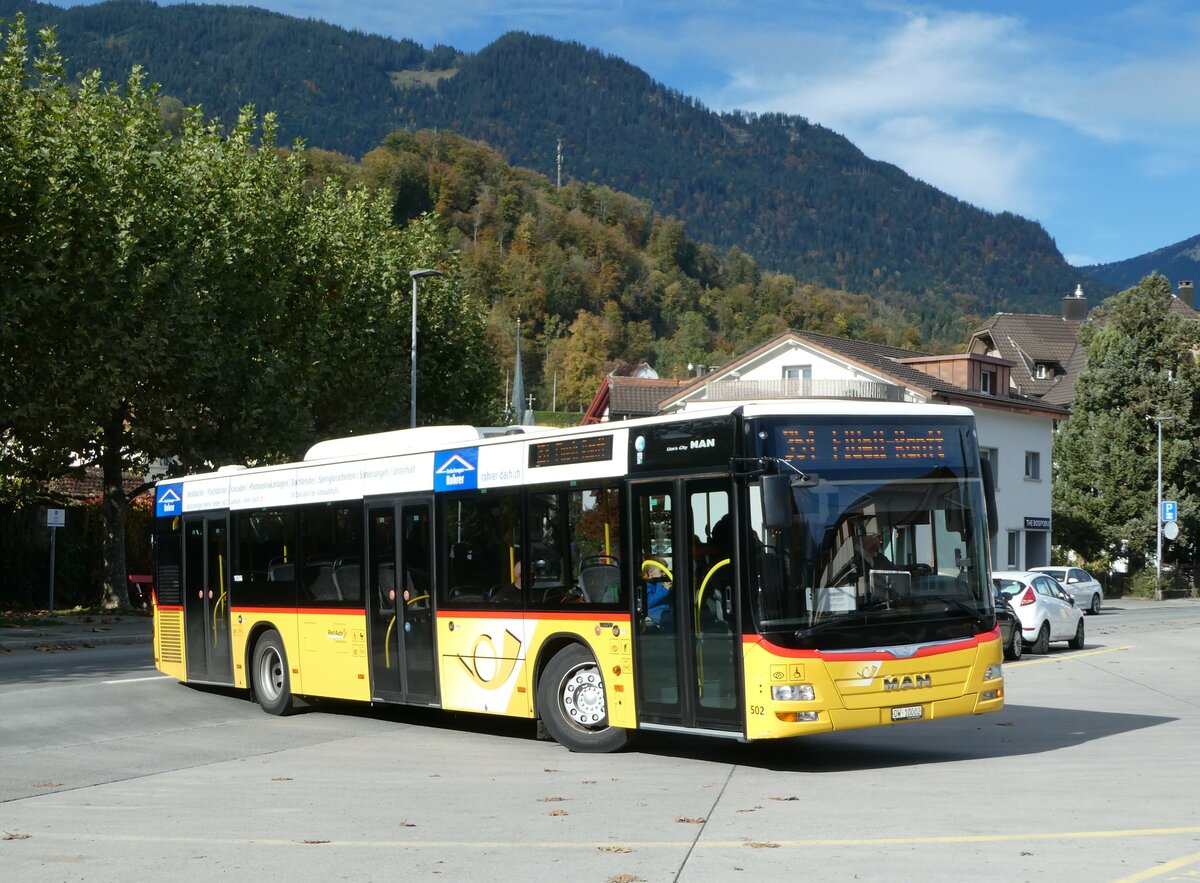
[1014, 430]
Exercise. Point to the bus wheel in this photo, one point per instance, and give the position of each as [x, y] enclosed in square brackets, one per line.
[571, 700]
[272, 687]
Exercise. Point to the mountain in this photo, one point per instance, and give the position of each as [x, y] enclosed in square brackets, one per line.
[1177, 262]
[797, 196]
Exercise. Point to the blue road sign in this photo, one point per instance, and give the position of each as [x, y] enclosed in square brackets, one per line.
[1170, 510]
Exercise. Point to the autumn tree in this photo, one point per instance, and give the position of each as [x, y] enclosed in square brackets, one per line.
[190, 299]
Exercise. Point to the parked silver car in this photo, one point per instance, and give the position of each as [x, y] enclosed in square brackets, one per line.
[1047, 613]
[1084, 588]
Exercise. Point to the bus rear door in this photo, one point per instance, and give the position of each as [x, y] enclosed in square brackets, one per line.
[206, 598]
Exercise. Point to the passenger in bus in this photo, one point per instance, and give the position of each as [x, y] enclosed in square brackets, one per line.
[660, 604]
[510, 594]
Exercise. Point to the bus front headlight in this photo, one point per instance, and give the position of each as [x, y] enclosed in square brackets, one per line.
[793, 693]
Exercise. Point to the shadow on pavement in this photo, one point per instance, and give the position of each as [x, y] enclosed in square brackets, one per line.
[1016, 730]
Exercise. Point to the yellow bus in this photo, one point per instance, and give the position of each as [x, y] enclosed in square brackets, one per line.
[750, 571]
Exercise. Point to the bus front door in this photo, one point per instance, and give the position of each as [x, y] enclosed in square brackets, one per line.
[206, 598]
[686, 636]
[400, 580]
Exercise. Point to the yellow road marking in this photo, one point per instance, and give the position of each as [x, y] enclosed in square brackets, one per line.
[1165, 868]
[1066, 657]
[651, 844]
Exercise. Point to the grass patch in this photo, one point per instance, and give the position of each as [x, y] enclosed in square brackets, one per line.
[414, 79]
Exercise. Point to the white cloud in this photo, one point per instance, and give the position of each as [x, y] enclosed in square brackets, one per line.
[982, 165]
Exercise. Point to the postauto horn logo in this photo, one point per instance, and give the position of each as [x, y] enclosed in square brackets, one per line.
[456, 470]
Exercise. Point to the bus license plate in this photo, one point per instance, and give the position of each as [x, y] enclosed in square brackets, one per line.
[908, 713]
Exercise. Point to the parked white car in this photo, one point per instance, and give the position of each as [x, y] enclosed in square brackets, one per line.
[1084, 587]
[1047, 612]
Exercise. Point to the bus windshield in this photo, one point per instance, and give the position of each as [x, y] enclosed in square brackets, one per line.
[886, 543]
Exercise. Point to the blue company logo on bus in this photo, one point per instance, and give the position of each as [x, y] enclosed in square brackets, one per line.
[168, 500]
[456, 470]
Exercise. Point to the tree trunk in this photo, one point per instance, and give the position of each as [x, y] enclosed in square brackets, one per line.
[114, 508]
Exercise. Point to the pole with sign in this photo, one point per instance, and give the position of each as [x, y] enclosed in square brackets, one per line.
[55, 518]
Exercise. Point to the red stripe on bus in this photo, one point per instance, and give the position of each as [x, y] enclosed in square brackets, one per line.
[932, 650]
[535, 614]
[170, 608]
[317, 611]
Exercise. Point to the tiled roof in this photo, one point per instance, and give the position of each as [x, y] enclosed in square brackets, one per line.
[1030, 339]
[638, 397]
[1182, 309]
[89, 484]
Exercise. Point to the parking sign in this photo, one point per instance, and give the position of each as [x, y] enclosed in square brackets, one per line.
[1170, 511]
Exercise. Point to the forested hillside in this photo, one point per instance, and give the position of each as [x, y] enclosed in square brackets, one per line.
[1176, 262]
[798, 197]
[592, 275]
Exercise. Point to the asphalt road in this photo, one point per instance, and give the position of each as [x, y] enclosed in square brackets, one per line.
[1091, 772]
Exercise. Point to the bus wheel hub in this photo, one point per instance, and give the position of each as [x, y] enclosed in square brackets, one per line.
[583, 697]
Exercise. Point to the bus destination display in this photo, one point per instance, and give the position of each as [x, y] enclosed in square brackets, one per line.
[570, 451]
[866, 445]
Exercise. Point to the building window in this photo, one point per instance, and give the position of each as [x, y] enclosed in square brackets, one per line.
[797, 372]
[1033, 465]
[987, 382]
[992, 455]
[1014, 549]
[1041, 372]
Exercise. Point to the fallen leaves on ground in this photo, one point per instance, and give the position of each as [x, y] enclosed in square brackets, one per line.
[557, 812]
[281, 779]
[625, 878]
[9, 835]
[621, 849]
[314, 842]
[684, 820]
[750, 809]
[762, 844]
[405, 823]
[47, 785]
[51, 648]
[550, 799]
[785, 798]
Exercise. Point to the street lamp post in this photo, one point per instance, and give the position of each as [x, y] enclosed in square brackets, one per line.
[1158, 526]
[412, 390]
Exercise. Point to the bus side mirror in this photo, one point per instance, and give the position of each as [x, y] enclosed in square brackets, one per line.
[776, 501]
[989, 496]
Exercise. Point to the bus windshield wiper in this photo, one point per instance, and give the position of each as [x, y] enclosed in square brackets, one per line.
[963, 606]
[831, 624]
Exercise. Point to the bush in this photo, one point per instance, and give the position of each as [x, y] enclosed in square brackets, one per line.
[1142, 585]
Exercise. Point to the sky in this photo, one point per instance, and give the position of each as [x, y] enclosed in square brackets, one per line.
[1083, 116]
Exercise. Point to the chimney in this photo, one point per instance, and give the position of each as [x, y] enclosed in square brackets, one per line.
[1074, 306]
[1187, 294]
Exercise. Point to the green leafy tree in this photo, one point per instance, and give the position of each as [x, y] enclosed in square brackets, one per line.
[1141, 366]
[192, 298]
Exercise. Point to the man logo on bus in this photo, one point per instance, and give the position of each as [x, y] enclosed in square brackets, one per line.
[908, 682]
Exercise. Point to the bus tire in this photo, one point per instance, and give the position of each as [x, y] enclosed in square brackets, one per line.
[572, 703]
[271, 684]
